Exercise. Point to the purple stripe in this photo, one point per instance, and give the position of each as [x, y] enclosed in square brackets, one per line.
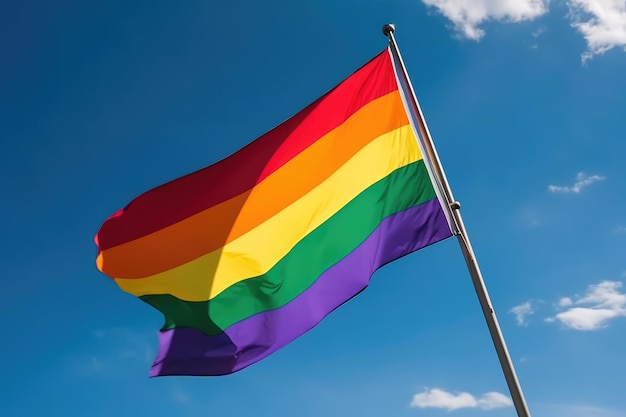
[186, 351]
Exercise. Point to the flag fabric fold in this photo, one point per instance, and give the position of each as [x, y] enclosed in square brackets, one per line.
[247, 254]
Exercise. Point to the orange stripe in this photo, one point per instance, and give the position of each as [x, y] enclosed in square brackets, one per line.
[212, 228]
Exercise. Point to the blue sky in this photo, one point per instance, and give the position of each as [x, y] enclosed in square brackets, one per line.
[524, 98]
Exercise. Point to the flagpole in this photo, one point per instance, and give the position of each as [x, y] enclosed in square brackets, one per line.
[453, 208]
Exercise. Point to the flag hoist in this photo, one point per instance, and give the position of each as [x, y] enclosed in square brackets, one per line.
[454, 212]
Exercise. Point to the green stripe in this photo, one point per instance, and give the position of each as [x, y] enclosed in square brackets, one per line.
[295, 272]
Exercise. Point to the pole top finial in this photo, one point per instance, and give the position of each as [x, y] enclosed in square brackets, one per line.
[389, 28]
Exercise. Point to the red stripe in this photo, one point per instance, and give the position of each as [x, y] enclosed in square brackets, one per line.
[188, 195]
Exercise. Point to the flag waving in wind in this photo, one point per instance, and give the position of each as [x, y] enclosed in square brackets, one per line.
[247, 254]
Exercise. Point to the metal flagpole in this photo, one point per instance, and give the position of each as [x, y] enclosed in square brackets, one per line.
[466, 247]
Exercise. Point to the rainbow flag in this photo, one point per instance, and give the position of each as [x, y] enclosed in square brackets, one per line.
[249, 253]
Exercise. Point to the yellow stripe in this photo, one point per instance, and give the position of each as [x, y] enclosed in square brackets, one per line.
[255, 252]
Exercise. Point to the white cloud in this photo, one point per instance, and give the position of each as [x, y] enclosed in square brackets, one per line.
[582, 181]
[601, 22]
[580, 318]
[521, 311]
[467, 15]
[438, 398]
[605, 294]
[493, 400]
[619, 230]
[601, 303]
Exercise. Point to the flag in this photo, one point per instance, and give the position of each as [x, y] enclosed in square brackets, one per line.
[249, 253]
